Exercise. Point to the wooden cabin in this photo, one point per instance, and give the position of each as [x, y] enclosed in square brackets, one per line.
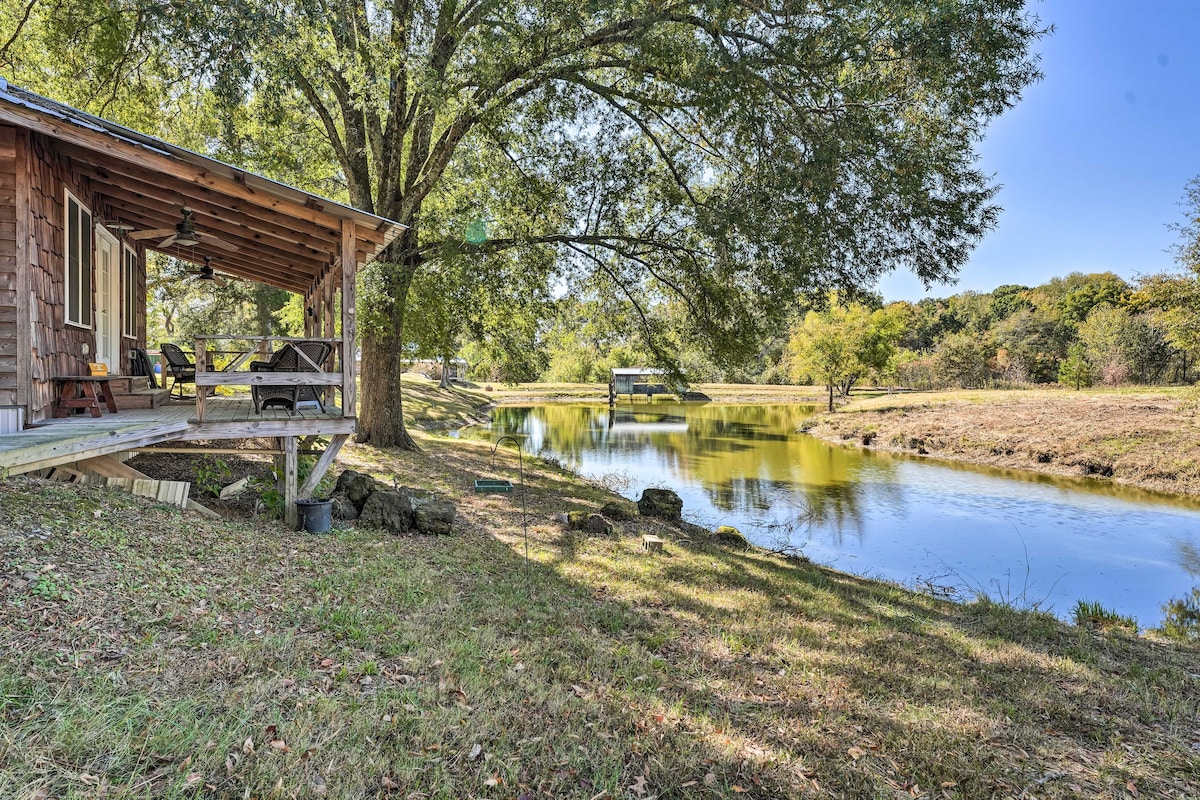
[82, 201]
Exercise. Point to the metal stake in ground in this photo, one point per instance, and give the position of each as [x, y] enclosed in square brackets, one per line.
[524, 512]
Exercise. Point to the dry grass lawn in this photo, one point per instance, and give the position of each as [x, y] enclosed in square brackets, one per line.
[1148, 438]
[147, 653]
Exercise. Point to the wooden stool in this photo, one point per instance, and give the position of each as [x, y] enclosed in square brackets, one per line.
[79, 391]
[651, 544]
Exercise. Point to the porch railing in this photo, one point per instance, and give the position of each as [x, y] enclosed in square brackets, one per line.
[236, 373]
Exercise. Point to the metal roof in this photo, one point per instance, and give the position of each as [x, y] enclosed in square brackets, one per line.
[637, 371]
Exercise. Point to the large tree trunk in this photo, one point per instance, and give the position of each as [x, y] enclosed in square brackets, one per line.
[381, 418]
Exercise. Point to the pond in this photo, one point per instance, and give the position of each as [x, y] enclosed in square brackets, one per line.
[1020, 537]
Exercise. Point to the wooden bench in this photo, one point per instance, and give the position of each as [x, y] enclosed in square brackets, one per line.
[79, 391]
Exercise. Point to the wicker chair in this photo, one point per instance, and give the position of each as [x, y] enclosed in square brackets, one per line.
[288, 359]
[182, 368]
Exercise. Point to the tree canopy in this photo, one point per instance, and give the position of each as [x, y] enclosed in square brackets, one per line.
[732, 155]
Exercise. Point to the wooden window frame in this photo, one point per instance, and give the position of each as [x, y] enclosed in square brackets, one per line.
[129, 272]
[86, 258]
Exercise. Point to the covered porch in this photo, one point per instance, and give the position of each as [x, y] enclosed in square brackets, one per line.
[90, 199]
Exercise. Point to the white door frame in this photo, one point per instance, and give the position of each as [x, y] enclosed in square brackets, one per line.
[108, 300]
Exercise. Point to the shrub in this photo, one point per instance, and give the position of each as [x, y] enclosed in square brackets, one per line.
[1093, 615]
[1182, 620]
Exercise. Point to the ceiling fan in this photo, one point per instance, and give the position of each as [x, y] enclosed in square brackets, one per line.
[183, 234]
[206, 273]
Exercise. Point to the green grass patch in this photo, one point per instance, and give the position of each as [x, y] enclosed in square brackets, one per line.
[185, 658]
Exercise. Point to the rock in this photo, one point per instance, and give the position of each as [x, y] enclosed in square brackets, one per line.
[343, 507]
[586, 521]
[356, 486]
[1092, 467]
[598, 524]
[387, 509]
[729, 536]
[662, 503]
[435, 517]
[618, 511]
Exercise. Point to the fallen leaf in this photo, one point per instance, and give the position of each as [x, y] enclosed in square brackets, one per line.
[710, 779]
[248, 746]
[638, 787]
[318, 785]
[495, 780]
[689, 783]
[739, 789]
[1132, 787]
[948, 784]
[388, 783]
[279, 744]
[193, 779]
[89, 780]
[856, 753]
[39, 794]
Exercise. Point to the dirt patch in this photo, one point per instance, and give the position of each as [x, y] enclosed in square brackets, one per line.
[206, 472]
[1145, 439]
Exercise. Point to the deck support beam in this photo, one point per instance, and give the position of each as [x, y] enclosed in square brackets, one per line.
[289, 481]
[322, 466]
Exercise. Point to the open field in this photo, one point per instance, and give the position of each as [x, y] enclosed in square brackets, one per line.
[1145, 437]
[148, 653]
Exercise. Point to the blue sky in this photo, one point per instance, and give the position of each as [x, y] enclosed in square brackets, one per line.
[1094, 159]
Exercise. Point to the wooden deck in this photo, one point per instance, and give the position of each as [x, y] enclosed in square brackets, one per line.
[62, 441]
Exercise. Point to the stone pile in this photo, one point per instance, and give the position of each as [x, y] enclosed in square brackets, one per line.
[396, 509]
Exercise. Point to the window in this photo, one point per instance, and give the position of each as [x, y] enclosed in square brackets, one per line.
[129, 293]
[79, 263]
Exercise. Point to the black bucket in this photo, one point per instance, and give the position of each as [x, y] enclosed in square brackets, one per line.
[314, 516]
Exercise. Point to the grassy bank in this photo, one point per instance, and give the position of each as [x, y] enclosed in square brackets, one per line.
[145, 653]
[1141, 437]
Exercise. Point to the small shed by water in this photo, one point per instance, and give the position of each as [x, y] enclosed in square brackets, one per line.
[637, 380]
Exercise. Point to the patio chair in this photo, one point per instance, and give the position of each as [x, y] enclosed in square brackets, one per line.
[182, 368]
[288, 359]
[141, 365]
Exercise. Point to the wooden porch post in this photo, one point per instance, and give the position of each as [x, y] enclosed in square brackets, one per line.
[24, 253]
[201, 368]
[289, 482]
[311, 320]
[349, 325]
[327, 290]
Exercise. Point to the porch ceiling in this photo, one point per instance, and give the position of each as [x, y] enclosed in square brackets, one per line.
[284, 237]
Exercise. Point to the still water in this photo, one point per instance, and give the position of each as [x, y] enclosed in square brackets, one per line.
[1019, 536]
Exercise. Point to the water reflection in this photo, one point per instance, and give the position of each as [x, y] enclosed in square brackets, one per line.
[745, 459]
[894, 517]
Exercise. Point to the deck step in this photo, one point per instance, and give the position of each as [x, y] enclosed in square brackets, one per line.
[141, 398]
